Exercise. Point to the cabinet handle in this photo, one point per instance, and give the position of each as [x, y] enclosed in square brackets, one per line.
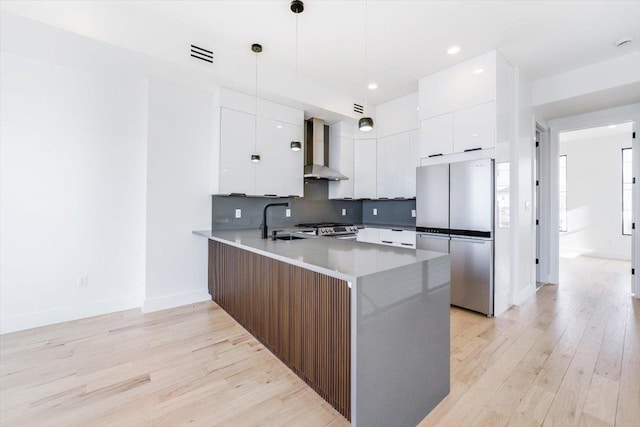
[396, 229]
[387, 241]
[270, 195]
[238, 194]
[472, 149]
[407, 244]
[435, 155]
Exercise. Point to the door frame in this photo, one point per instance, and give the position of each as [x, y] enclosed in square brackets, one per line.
[549, 183]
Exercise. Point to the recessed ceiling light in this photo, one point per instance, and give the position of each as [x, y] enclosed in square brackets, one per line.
[453, 50]
[373, 86]
[475, 134]
[478, 71]
[624, 41]
[279, 126]
[418, 108]
[611, 126]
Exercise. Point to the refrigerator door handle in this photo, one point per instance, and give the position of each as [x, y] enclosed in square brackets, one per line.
[472, 239]
[434, 236]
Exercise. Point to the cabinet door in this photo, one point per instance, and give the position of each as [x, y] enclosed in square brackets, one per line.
[436, 136]
[434, 95]
[397, 161]
[473, 82]
[364, 153]
[280, 169]
[237, 171]
[341, 158]
[474, 127]
[388, 152]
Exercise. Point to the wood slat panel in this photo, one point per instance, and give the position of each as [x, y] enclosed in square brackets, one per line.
[301, 316]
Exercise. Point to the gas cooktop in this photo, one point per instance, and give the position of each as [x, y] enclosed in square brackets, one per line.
[331, 228]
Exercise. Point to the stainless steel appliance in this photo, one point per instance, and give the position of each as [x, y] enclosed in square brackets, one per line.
[332, 229]
[455, 214]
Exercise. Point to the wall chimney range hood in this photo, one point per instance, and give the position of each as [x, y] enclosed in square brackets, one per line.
[317, 146]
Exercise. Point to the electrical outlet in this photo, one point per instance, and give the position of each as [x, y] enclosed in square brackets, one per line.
[287, 213]
[375, 211]
[83, 281]
[413, 213]
[238, 213]
[344, 212]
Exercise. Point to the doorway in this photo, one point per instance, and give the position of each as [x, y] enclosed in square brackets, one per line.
[549, 188]
[595, 198]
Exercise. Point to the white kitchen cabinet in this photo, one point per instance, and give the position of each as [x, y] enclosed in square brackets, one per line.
[436, 136]
[341, 159]
[397, 161]
[473, 81]
[474, 127]
[364, 168]
[368, 235]
[397, 116]
[237, 136]
[434, 95]
[467, 84]
[280, 169]
[388, 236]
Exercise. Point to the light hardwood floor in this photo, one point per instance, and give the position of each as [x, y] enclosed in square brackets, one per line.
[568, 356]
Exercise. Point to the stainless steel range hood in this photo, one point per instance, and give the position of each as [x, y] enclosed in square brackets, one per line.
[317, 168]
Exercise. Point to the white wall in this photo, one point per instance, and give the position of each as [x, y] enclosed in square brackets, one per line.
[73, 182]
[178, 197]
[524, 148]
[594, 197]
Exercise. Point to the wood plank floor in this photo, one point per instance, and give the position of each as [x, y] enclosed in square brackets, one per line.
[568, 356]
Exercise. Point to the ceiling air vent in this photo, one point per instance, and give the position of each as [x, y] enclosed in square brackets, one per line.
[201, 54]
[357, 108]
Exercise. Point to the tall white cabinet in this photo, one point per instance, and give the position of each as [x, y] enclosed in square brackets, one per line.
[280, 170]
[461, 108]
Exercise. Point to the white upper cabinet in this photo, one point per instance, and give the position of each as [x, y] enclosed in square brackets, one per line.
[466, 107]
[341, 159]
[434, 95]
[474, 128]
[236, 170]
[464, 85]
[436, 136]
[397, 161]
[280, 169]
[398, 115]
[364, 165]
[473, 82]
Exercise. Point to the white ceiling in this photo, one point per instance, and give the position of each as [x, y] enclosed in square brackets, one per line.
[406, 39]
[597, 132]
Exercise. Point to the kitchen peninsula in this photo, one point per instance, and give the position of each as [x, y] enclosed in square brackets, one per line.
[366, 326]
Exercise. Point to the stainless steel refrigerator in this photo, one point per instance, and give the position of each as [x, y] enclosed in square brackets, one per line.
[454, 204]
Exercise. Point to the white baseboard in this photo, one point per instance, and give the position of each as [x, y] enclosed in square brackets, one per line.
[50, 317]
[524, 294]
[174, 300]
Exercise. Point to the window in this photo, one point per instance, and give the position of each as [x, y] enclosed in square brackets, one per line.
[627, 181]
[562, 178]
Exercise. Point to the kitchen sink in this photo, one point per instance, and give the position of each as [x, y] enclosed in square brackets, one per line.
[289, 237]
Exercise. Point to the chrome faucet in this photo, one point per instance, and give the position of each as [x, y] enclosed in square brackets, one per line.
[265, 230]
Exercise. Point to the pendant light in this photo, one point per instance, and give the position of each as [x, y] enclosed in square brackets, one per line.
[255, 157]
[297, 7]
[365, 124]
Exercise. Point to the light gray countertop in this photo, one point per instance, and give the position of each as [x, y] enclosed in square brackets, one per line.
[344, 259]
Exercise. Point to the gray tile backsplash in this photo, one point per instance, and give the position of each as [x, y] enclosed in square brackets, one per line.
[389, 212]
[313, 207]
